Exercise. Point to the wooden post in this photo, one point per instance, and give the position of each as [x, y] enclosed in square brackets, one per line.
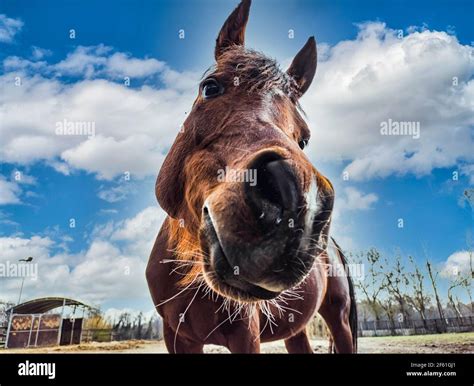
[438, 302]
[8, 328]
[31, 329]
[61, 322]
[82, 325]
[37, 331]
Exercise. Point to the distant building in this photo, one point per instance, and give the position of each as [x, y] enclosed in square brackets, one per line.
[31, 324]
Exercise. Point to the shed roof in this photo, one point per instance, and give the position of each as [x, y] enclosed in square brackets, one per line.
[42, 305]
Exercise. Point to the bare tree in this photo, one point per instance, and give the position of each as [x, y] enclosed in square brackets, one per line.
[460, 281]
[4, 306]
[389, 307]
[470, 275]
[149, 330]
[124, 320]
[434, 284]
[96, 321]
[461, 278]
[394, 282]
[139, 326]
[418, 298]
[371, 286]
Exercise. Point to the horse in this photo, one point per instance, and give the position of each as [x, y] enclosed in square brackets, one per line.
[244, 253]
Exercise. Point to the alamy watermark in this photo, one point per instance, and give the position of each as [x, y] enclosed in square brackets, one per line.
[237, 175]
[355, 271]
[400, 128]
[67, 127]
[13, 270]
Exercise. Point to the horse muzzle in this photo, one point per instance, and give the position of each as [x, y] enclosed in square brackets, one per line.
[262, 238]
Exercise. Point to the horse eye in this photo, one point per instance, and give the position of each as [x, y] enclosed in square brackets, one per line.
[303, 143]
[211, 88]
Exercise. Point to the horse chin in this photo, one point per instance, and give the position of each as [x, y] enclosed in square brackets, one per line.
[239, 291]
[219, 276]
[222, 277]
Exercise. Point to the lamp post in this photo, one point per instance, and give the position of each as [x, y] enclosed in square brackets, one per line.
[29, 259]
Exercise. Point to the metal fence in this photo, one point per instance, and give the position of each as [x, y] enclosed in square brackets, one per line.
[33, 330]
[3, 336]
[415, 327]
[118, 334]
[97, 335]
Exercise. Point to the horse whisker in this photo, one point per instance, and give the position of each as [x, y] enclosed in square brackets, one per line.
[181, 318]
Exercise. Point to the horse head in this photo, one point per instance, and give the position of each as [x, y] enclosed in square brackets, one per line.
[244, 201]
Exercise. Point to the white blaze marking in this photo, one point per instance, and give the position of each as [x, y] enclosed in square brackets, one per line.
[313, 205]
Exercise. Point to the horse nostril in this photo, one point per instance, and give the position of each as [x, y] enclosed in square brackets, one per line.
[278, 184]
[276, 188]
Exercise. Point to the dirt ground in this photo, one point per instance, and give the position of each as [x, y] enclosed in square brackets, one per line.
[439, 343]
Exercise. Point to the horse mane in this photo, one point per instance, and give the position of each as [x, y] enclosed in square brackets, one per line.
[185, 246]
[255, 72]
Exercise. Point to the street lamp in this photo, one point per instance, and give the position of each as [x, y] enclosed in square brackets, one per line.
[29, 259]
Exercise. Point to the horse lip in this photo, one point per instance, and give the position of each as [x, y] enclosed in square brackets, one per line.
[254, 290]
[225, 274]
[215, 246]
[222, 267]
[211, 232]
[272, 287]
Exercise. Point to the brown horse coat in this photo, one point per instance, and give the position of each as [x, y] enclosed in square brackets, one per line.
[213, 228]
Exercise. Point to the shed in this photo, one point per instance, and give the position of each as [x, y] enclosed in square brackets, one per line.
[31, 324]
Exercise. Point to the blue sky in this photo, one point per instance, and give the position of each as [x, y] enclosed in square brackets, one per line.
[82, 79]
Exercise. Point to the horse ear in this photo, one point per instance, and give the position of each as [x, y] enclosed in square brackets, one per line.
[303, 67]
[233, 30]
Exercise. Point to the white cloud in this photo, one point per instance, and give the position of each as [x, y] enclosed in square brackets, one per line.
[38, 53]
[349, 199]
[354, 199]
[134, 126]
[377, 77]
[11, 189]
[15, 248]
[359, 84]
[120, 64]
[9, 27]
[60, 167]
[457, 263]
[112, 268]
[139, 232]
[115, 193]
[90, 62]
[468, 170]
[9, 192]
[15, 63]
[83, 61]
[108, 157]
[22, 178]
[108, 211]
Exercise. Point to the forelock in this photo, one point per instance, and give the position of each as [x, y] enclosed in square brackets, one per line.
[255, 71]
